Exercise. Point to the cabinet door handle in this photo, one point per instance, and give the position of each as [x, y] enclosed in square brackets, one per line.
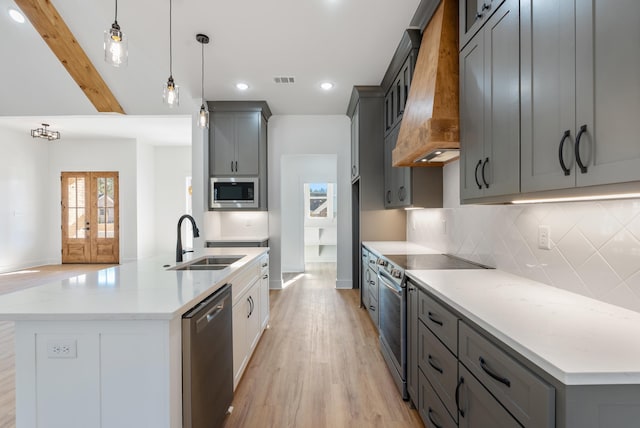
[402, 193]
[434, 423]
[236, 166]
[372, 282]
[432, 364]
[265, 277]
[434, 319]
[566, 135]
[494, 375]
[583, 129]
[460, 382]
[231, 166]
[250, 309]
[475, 174]
[484, 179]
[388, 196]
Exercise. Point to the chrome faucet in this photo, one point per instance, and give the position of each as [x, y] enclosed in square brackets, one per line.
[196, 234]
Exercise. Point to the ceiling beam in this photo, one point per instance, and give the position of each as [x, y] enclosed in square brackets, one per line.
[47, 21]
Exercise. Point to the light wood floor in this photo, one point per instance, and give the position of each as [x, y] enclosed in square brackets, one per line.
[14, 281]
[319, 365]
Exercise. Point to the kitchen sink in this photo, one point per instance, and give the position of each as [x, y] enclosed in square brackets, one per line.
[210, 263]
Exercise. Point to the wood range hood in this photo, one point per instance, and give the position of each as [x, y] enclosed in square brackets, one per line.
[430, 129]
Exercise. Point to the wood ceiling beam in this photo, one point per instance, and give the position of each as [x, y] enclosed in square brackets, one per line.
[47, 21]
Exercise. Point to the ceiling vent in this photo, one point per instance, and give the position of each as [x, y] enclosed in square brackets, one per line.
[281, 79]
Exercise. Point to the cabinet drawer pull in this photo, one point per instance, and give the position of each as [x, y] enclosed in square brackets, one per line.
[373, 308]
[566, 170]
[583, 129]
[372, 282]
[265, 277]
[436, 368]
[434, 423]
[494, 375]
[388, 196]
[479, 16]
[486, 6]
[484, 179]
[460, 382]
[475, 174]
[434, 319]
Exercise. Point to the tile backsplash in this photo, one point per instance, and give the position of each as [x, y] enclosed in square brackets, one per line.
[595, 246]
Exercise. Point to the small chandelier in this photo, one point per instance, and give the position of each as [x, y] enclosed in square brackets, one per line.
[45, 133]
[203, 115]
[116, 50]
[171, 91]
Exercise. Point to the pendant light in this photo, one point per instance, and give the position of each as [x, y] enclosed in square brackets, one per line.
[116, 51]
[203, 116]
[171, 93]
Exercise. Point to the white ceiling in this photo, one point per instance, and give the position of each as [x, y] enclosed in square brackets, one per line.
[347, 42]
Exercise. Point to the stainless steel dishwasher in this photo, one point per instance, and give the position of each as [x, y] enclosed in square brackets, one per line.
[207, 361]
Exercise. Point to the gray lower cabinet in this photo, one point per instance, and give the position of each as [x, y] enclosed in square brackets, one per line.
[490, 106]
[412, 343]
[364, 278]
[430, 408]
[478, 409]
[580, 93]
[372, 307]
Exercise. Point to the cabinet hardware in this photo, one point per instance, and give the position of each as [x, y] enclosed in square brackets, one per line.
[432, 364]
[372, 282]
[434, 423]
[484, 179]
[460, 382]
[373, 308]
[434, 319]
[479, 16]
[566, 135]
[388, 196]
[236, 166]
[231, 166]
[486, 6]
[583, 129]
[264, 265]
[265, 277]
[494, 375]
[402, 193]
[475, 174]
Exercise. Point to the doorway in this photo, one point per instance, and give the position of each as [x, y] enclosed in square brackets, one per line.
[90, 217]
[320, 223]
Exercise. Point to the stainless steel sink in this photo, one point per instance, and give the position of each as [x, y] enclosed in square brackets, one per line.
[210, 263]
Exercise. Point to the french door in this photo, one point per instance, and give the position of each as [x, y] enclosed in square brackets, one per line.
[90, 217]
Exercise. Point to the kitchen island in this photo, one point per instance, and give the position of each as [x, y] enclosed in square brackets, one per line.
[104, 349]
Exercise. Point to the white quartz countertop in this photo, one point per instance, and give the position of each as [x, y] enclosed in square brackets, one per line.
[144, 289]
[398, 247]
[576, 339]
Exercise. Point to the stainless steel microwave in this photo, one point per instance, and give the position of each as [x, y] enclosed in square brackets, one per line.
[234, 192]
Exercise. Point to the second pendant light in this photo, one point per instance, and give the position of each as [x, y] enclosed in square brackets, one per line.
[171, 91]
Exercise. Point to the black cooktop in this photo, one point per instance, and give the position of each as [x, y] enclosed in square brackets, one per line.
[431, 261]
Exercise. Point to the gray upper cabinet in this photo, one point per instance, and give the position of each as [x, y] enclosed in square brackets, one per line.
[355, 145]
[581, 94]
[473, 15]
[489, 107]
[235, 141]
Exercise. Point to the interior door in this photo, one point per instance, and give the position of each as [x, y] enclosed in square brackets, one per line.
[90, 217]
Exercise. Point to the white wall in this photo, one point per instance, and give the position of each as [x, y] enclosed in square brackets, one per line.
[146, 198]
[172, 166]
[595, 245]
[309, 135]
[97, 155]
[295, 171]
[234, 225]
[23, 200]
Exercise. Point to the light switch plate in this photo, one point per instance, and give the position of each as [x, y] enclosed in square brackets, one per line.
[544, 237]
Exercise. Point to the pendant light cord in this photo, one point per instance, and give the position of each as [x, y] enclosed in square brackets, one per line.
[116, 18]
[170, 41]
[202, 82]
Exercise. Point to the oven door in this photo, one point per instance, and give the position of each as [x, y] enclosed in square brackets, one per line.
[392, 313]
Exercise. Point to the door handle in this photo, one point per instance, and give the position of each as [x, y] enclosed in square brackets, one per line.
[231, 166]
[458, 396]
[475, 174]
[493, 374]
[236, 166]
[566, 170]
[484, 179]
[583, 129]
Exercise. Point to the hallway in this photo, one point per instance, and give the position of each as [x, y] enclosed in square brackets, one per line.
[319, 365]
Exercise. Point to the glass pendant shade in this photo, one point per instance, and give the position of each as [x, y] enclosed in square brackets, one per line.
[116, 51]
[203, 117]
[171, 93]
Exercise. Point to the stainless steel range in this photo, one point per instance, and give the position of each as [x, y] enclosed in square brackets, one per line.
[393, 305]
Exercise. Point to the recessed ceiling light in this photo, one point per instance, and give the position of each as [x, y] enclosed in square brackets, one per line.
[242, 86]
[326, 86]
[16, 16]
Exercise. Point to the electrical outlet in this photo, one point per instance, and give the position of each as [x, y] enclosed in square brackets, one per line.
[62, 349]
[544, 237]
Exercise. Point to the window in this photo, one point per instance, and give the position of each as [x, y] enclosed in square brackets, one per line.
[320, 200]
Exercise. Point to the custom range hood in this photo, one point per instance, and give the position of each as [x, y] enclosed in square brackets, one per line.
[430, 129]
